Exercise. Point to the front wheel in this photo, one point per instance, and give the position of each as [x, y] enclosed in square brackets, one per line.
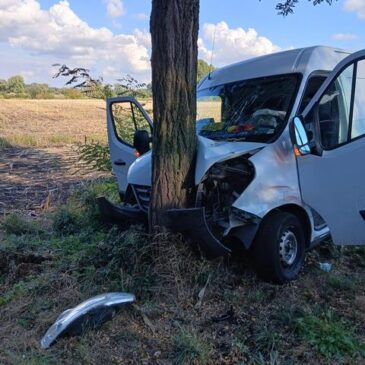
[279, 248]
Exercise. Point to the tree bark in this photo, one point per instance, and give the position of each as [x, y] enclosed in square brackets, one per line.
[174, 29]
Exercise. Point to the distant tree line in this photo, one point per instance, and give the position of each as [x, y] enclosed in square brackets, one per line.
[16, 88]
[87, 88]
[203, 69]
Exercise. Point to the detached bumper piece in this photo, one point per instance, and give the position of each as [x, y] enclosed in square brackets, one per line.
[120, 214]
[193, 223]
[91, 313]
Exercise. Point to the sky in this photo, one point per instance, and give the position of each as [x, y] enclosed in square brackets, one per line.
[111, 37]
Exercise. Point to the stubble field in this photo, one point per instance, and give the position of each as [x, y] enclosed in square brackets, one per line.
[49, 123]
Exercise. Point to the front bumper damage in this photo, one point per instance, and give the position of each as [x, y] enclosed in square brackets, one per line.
[192, 222]
[119, 214]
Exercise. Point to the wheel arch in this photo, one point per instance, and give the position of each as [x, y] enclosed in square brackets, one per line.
[301, 214]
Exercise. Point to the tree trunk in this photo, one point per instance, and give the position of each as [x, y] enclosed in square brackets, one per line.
[174, 29]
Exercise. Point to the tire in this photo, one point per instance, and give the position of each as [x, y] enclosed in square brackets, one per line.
[279, 248]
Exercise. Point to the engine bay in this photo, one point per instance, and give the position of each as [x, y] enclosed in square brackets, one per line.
[220, 188]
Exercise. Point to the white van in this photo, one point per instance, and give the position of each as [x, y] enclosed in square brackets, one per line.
[280, 163]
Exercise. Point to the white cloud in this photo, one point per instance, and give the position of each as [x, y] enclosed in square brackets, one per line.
[357, 6]
[344, 36]
[232, 45]
[60, 33]
[114, 8]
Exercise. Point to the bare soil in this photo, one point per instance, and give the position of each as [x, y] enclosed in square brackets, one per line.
[37, 179]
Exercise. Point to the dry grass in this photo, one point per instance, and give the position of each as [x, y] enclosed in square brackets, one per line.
[46, 123]
[189, 310]
[210, 109]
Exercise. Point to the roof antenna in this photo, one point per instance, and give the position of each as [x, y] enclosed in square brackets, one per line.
[211, 57]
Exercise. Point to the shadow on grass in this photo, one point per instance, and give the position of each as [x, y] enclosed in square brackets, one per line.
[32, 179]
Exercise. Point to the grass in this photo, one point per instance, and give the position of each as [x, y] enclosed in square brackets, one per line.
[342, 283]
[47, 123]
[16, 291]
[4, 143]
[267, 339]
[71, 256]
[329, 335]
[17, 224]
[49, 140]
[189, 347]
[210, 109]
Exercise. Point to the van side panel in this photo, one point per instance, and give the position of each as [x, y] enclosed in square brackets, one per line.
[276, 179]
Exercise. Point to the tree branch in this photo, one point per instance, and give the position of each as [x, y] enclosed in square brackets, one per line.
[287, 7]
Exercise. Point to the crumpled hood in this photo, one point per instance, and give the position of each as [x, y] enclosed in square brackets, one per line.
[209, 152]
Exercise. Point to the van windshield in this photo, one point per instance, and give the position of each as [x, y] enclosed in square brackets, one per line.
[252, 110]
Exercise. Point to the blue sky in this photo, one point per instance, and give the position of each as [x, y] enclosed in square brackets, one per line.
[111, 36]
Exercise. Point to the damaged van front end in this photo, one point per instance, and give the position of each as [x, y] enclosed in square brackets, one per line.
[223, 171]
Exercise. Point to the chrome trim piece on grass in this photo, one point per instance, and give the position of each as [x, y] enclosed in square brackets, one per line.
[70, 316]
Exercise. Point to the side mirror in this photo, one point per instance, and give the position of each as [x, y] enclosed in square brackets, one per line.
[301, 137]
[141, 141]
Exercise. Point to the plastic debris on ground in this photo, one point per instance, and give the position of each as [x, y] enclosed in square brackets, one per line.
[92, 312]
[325, 266]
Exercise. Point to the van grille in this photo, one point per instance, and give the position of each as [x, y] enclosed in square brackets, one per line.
[143, 196]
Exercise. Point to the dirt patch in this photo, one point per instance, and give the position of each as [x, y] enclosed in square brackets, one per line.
[37, 179]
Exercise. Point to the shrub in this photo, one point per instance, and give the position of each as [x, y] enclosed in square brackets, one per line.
[66, 221]
[18, 225]
[16, 84]
[94, 156]
[73, 94]
[39, 91]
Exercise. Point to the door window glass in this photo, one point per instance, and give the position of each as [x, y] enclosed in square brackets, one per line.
[358, 121]
[140, 120]
[314, 83]
[127, 118]
[334, 110]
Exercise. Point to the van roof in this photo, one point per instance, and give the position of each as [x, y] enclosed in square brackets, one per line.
[302, 60]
